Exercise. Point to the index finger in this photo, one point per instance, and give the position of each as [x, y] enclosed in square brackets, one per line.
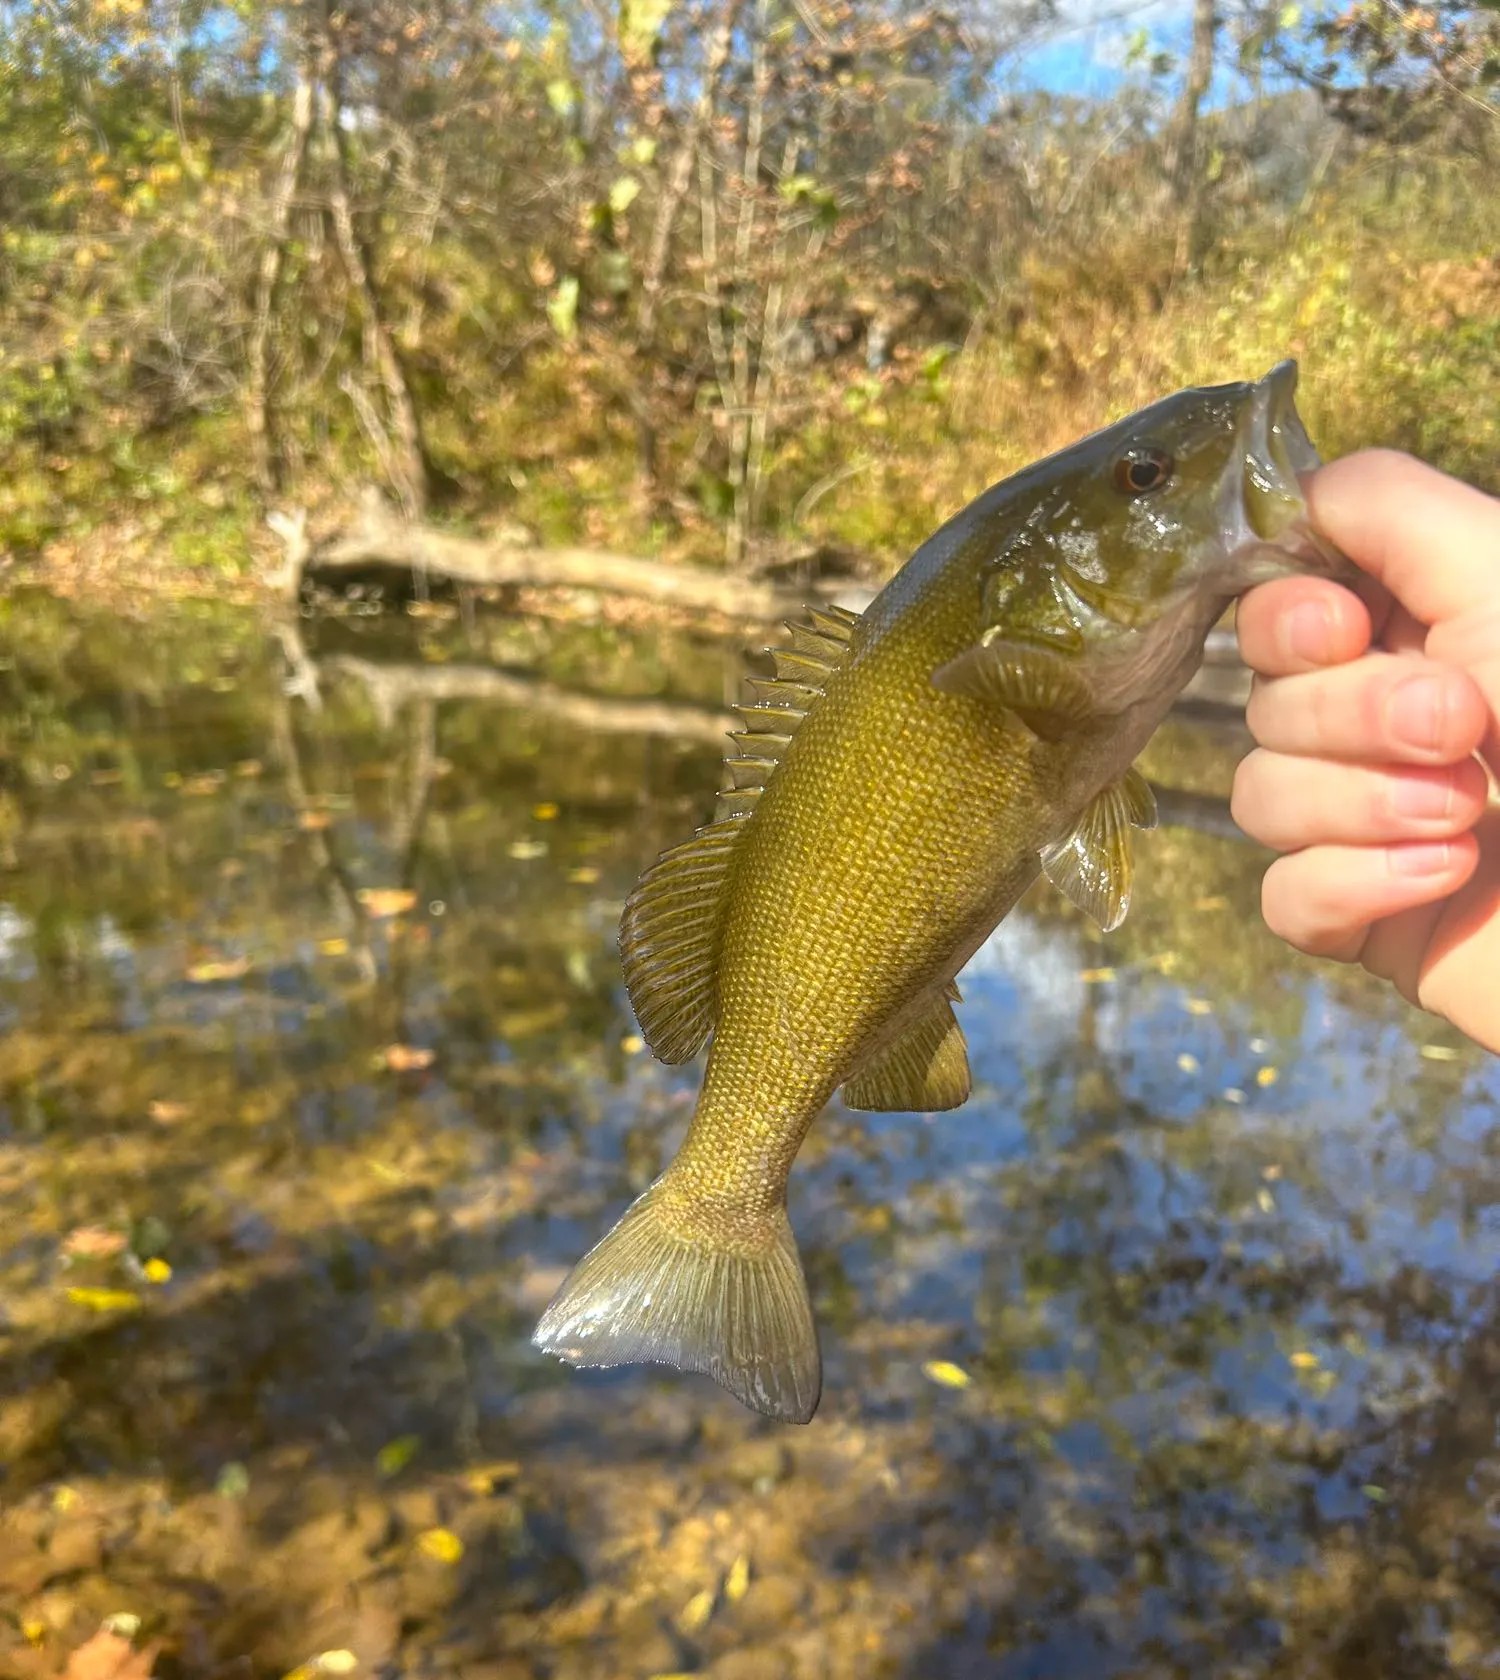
[1431, 540]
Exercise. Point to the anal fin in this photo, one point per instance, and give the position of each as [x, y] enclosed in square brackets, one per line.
[1092, 864]
[925, 1069]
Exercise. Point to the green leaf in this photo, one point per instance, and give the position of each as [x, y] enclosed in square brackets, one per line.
[562, 307]
[395, 1455]
[233, 1482]
[640, 24]
[1289, 17]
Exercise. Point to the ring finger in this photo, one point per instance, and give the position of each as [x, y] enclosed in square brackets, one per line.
[1288, 803]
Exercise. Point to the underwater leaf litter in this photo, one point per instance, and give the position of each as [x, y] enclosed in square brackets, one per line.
[1171, 1362]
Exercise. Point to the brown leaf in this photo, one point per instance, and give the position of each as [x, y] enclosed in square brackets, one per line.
[109, 1657]
[406, 1058]
[93, 1242]
[380, 902]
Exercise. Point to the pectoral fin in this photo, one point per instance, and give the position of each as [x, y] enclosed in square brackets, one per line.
[1092, 864]
[1043, 689]
[925, 1069]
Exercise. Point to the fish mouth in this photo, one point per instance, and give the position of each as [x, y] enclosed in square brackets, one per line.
[1277, 450]
[1277, 534]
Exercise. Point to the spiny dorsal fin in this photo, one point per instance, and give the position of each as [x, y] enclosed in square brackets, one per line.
[781, 702]
[669, 941]
[924, 1070]
[1092, 864]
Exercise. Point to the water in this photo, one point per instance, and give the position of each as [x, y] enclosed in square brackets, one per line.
[317, 1072]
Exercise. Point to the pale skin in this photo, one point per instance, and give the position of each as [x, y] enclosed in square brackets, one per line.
[1378, 721]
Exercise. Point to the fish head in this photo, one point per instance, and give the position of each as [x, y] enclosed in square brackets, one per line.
[1197, 496]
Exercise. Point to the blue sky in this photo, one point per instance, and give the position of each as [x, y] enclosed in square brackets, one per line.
[1084, 52]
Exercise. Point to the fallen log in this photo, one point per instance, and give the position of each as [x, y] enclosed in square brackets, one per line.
[379, 537]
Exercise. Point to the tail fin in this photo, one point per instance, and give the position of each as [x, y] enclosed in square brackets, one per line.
[645, 1295]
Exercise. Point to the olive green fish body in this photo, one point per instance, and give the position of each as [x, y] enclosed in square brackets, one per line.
[897, 787]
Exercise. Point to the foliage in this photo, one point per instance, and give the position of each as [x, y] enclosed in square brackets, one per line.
[743, 275]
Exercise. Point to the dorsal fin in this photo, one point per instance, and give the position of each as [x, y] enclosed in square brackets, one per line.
[674, 920]
[818, 648]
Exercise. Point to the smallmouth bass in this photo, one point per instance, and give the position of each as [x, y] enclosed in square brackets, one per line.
[897, 786]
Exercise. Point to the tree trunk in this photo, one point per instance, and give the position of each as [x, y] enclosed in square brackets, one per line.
[407, 461]
[1186, 176]
[259, 419]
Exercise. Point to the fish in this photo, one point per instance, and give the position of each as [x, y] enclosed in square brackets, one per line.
[896, 787]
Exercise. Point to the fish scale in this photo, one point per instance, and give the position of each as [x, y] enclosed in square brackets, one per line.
[897, 786]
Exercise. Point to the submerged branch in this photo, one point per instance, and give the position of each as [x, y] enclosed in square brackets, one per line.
[393, 686]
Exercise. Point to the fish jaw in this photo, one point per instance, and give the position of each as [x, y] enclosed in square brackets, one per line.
[1266, 526]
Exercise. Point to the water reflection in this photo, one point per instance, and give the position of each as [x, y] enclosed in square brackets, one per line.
[317, 1071]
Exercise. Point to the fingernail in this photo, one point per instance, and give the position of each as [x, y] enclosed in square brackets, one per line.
[1305, 632]
[1417, 710]
[1423, 799]
[1420, 860]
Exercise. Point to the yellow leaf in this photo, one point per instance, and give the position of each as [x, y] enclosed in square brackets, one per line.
[487, 1477]
[695, 1613]
[206, 973]
[33, 1631]
[157, 1271]
[1215, 902]
[544, 812]
[1305, 1361]
[167, 1113]
[442, 1545]
[105, 1300]
[945, 1373]
[632, 1044]
[382, 902]
[1098, 976]
[336, 1662]
[64, 1498]
[1265, 1200]
[525, 850]
[1188, 1062]
[1438, 1053]
[332, 947]
[737, 1582]
[1198, 1006]
[584, 876]
[313, 822]
[1267, 1076]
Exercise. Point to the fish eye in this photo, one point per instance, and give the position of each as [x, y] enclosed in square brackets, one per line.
[1140, 470]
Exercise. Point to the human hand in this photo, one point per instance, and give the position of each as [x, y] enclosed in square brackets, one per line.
[1373, 713]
